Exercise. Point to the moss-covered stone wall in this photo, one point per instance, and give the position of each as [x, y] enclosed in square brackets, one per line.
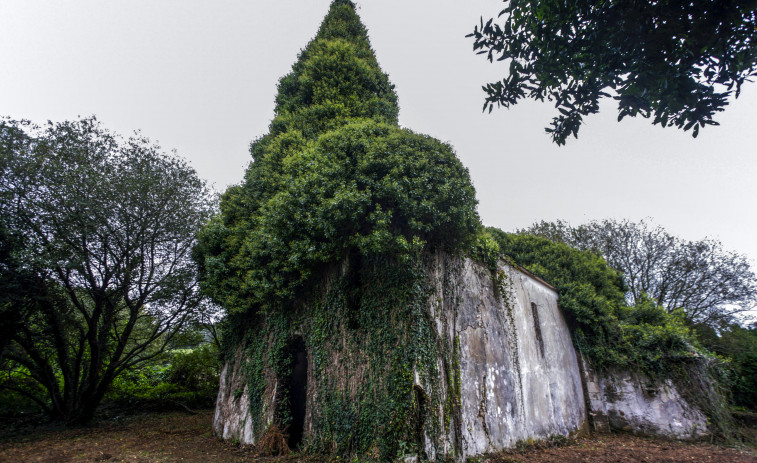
[443, 361]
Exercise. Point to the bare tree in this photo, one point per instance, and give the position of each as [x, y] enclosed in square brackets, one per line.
[100, 276]
[709, 283]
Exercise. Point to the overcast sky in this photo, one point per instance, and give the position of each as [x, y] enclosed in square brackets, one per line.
[200, 77]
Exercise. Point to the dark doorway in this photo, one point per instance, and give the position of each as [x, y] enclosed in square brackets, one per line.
[419, 419]
[298, 386]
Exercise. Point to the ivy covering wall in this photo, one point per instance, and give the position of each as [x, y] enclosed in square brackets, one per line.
[325, 239]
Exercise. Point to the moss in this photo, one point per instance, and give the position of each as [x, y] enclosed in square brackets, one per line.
[375, 348]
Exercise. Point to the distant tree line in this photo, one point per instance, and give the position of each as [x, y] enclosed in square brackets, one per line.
[710, 284]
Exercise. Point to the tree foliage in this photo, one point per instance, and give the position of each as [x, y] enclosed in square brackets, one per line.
[739, 345]
[710, 284]
[186, 378]
[675, 61]
[334, 176]
[96, 268]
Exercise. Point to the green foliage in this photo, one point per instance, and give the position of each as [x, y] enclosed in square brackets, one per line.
[371, 318]
[486, 249]
[16, 402]
[185, 376]
[381, 332]
[336, 81]
[606, 329]
[711, 285]
[96, 269]
[655, 337]
[323, 241]
[335, 175]
[367, 186]
[738, 345]
[677, 62]
[196, 369]
[745, 390]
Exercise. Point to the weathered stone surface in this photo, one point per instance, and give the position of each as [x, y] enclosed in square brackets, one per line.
[232, 419]
[519, 371]
[620, 401]
[508, 372]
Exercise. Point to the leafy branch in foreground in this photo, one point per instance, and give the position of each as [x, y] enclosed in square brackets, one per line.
[676, 61]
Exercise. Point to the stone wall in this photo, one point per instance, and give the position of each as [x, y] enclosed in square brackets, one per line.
[232, 419]
[620, 401]
[509, 369]
[518, 368]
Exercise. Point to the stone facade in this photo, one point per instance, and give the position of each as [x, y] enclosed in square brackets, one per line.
[620, 401]
[519, 372]
[519, 375]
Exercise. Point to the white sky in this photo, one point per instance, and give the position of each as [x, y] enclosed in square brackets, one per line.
[200, 76]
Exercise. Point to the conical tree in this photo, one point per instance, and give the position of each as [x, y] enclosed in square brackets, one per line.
[324, 241]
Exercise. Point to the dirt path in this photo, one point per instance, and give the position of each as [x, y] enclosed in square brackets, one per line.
[626, 449]
[169, 437]
[179, 437]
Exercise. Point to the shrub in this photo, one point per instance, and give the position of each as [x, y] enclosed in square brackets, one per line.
[334, 176]
[187, 376]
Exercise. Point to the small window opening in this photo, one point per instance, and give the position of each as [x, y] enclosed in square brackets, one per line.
[537, 328]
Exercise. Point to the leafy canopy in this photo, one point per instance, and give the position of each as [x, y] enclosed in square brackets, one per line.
[676, 61]
[97, 275]
[334, 175]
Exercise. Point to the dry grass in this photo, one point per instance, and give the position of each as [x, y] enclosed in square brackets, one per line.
[181, 437]
[272, 443]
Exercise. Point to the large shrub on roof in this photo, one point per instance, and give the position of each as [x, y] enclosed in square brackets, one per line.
[366, 187]
[335, 175]
[336, 183]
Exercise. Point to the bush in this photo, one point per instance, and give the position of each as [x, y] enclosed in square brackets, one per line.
[745, 387]
[186, 376]
[195, 370]
[738, 345]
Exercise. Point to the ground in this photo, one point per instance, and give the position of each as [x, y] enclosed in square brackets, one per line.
[625, 449]
[182, 437]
